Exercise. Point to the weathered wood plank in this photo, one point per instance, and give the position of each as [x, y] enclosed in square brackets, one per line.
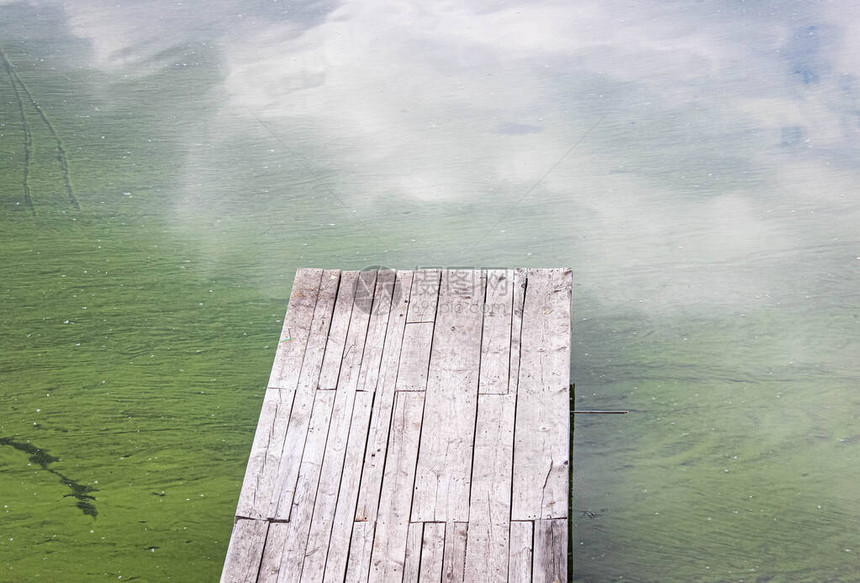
[445, 457]
[432, 551]
[347, 498]
[258, 486]
[338, 330]
[297, 323]
[270, 566]
[360, 546]
[487, 552]
[415, 356]
[284, 451]
[496, 338]
[454, 473]
[377, 439]
[325, 503]
[368, 376]
[331, 474]
[424, 296]
[520, 556]
[389, 545]
[306, 489]
[490, 500]
[520, 279]
[388, 369]
[355, 339]
[412, 562]
[320, 328]
[274, 461]
[550, 551]
[245, 551]
[454, 561]
[541, 443]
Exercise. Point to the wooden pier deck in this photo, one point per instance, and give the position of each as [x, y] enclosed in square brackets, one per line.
[415, 428]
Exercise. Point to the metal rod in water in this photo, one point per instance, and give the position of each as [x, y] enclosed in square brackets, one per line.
[600, 412]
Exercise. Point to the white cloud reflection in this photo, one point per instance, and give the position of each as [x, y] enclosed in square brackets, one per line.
[393, 78]
[728, 126]
[711, 109]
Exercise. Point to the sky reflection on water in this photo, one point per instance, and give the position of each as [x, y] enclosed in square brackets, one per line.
[703, 170]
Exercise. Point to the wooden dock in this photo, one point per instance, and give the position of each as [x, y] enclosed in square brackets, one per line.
[415, 428]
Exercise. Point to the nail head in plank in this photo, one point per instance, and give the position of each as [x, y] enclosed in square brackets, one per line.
[245, 551]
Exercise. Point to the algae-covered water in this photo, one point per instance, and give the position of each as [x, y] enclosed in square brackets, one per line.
[166, 166]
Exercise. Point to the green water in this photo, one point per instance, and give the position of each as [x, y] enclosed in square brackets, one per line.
[715, 259]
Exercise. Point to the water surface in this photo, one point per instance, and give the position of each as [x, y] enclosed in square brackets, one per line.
[166, 166]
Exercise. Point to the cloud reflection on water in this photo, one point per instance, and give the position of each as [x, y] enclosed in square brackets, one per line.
[710, 217]
[731, 130]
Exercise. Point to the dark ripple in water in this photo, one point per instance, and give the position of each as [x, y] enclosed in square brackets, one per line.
[39, 456]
